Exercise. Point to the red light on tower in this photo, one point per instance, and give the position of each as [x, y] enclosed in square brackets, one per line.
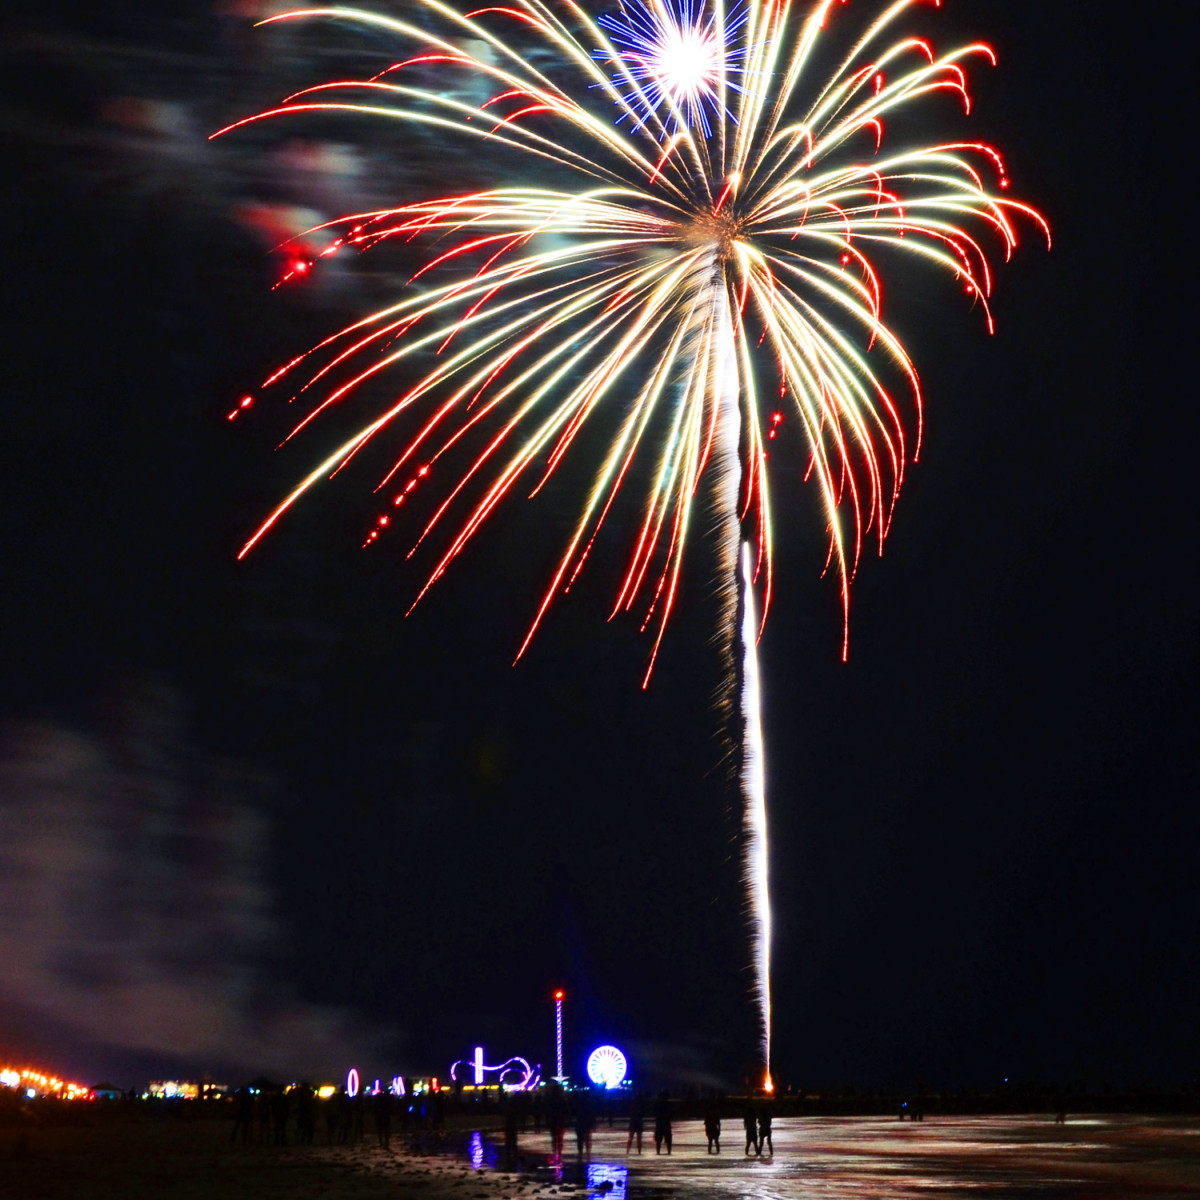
[558, 1003]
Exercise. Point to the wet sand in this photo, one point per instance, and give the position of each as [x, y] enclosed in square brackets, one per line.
[1100, 1158]
[188, 1160]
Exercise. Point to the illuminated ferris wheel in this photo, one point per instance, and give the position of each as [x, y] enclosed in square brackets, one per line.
[606, 1067]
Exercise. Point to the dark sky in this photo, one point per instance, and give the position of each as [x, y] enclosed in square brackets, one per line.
[251, 815]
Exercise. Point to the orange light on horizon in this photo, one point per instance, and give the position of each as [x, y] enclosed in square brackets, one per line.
[46, 1085]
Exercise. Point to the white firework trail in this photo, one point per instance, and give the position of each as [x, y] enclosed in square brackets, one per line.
[737, 567]
[754, 818]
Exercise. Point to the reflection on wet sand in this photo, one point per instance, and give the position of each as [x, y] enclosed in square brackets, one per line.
[855, 1158]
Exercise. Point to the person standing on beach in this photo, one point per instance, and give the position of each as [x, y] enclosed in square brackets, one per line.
[637, 1121]
[262, 1118]
[306, 1114]
[243, 1116]
[750, 1122]
[332, 1108]
[281, 1104]
[585, 1123]
[381, 1102]
[556, 1120]
[358, 1108]
[512, 1122]
[662, 1123]
[764, 1129]
[712, 1127]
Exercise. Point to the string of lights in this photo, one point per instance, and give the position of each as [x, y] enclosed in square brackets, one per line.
[36, 1084]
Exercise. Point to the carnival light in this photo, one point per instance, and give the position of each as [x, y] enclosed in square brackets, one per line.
[352, 1082]
[606, 1067]
[529, 1077]
[670, 280]
[558, 1041]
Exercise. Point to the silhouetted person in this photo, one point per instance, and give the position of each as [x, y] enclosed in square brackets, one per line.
[585, 1122]
[712, 1127]
[243, 1115]
[750, 1124]
[262, 1118]
[358, 1112]
[556, 1120]
[382, 1104]
[512, 1124]
[306, 1114]
[662, 1123]
[345, 1124]
[333, 1116]
[764, 1129]
[280, 1103]
[637, 1122]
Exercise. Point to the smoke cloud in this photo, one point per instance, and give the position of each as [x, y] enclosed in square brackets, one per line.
[137, 910]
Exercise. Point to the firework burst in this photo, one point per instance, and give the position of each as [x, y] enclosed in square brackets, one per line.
[685, 274]
[684, 59]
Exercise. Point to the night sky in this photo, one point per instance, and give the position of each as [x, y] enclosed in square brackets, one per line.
[253, 818]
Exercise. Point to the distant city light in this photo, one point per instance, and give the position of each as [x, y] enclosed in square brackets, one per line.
[606, 1067]
[36, 1083]
[398, 1088]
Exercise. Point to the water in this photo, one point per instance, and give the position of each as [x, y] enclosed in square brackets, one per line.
[862, 1158]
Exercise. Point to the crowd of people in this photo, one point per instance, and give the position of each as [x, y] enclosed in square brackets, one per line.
[272, 1115]
[264, 1115]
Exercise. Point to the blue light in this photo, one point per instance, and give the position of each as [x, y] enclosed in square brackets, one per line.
[606, 1067]
[675, 53]
[616, 1175]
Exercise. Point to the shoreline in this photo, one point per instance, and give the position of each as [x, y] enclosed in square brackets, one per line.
[1116, 1157]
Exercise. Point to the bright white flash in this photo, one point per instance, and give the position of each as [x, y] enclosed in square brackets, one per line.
[685, 64]
[674, 52]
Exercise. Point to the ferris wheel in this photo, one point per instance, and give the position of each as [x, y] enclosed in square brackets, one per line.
[606, 1067]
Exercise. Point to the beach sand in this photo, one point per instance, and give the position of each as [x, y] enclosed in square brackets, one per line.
[123, 1156]
[130, 1159]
